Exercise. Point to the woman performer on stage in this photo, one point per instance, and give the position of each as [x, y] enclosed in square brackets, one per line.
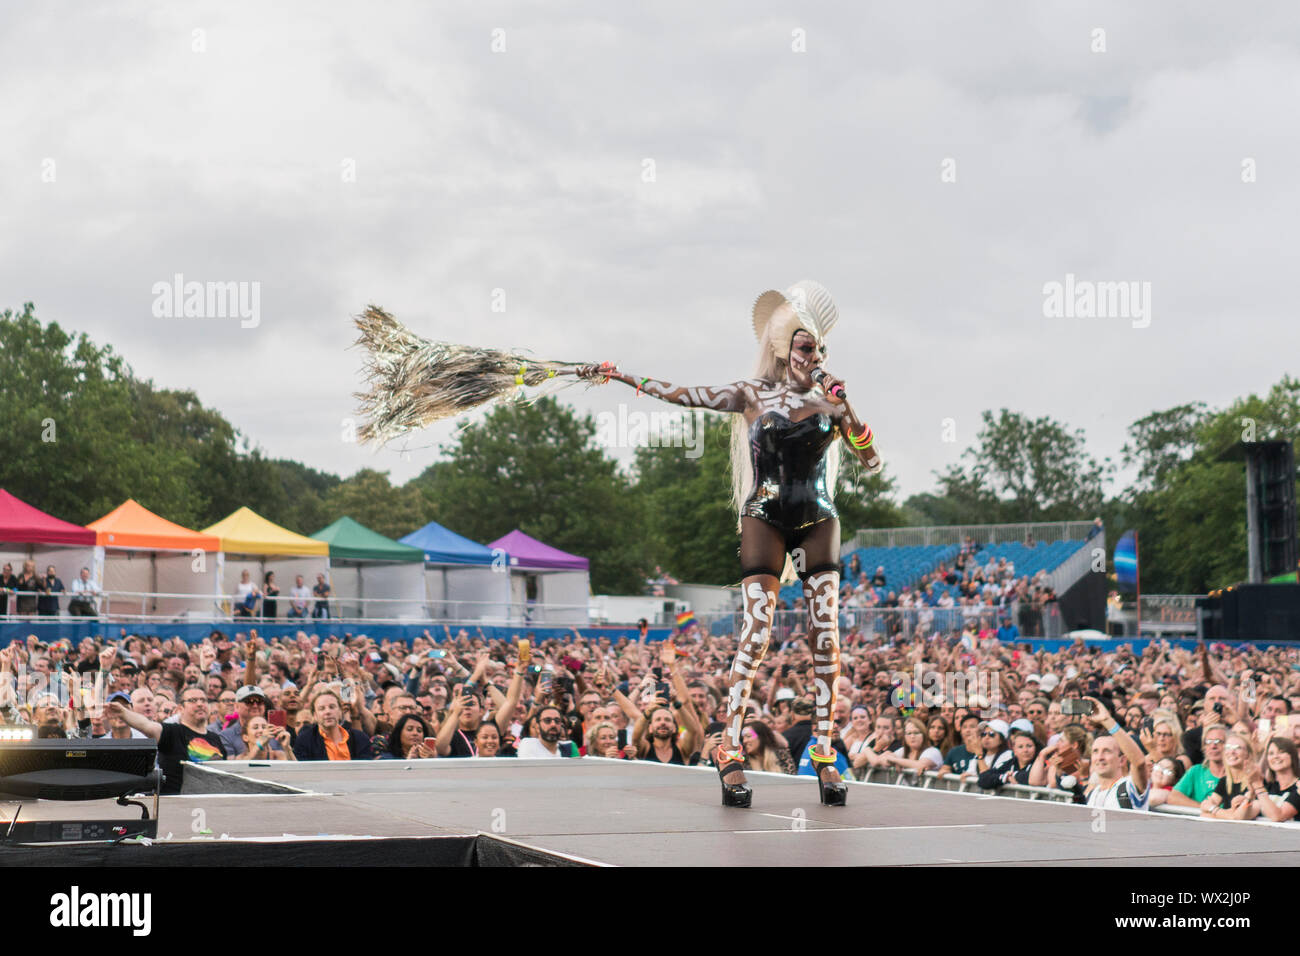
[784, 464]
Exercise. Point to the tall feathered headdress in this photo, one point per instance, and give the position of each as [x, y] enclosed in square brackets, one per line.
[812, 309]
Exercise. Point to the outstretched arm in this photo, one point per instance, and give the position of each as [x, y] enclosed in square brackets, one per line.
[720, 398]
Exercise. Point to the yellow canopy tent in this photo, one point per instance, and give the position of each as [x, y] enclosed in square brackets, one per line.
[247, 532]
[251, 543]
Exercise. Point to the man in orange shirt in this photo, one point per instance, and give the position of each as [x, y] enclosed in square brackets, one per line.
[328, 739]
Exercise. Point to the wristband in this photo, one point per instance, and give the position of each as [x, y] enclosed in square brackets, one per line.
[1114, 730]
[863, 439]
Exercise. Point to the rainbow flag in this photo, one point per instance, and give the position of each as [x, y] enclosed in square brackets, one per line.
[685, 620]
[201, 751]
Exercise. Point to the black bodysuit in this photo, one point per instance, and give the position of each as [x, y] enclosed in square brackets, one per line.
[789, 460]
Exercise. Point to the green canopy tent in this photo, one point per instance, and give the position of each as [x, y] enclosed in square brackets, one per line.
[373, 576]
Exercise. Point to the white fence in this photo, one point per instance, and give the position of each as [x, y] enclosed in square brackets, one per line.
[1029, 533]
[892, 622]
[933, 780]
[128, 606]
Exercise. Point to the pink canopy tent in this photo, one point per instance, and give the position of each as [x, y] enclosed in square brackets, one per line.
[20, 523]
[27, 533]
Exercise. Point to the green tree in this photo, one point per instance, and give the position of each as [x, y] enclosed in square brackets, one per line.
[67, 443]
[865, 501]
[962, 498]
[1162, 442]
[1040, 468]
[1019, 469]
[1190, 509]
[690, 524]
[83, 434]
[535, 467]
[369, 497]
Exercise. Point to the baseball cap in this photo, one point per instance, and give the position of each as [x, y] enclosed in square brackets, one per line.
[1022, 723]
[121, 695]
[248, 691]
[998, 725]
[1049, 682]
[803, 706]
[785, 693]
[1035, 678]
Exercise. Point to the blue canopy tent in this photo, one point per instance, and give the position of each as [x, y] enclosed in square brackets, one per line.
[463, 580]
[442, 546]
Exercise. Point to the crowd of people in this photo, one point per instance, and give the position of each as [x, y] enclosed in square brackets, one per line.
[29, 594]
[988, 594]
[1212, 729]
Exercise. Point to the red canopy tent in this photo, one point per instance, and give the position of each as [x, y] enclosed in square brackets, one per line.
[29, 534]
[20, 523]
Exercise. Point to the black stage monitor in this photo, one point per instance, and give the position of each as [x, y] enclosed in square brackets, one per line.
[76, 769]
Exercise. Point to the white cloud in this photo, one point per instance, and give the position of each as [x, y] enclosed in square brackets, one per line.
[522, 171]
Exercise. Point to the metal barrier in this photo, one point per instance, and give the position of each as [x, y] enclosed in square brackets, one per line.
[129, 606]
[1045, 532]
[933, 780]
[876, 622]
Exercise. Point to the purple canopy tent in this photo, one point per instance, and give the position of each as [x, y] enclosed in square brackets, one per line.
[561, 581]
[526, 552]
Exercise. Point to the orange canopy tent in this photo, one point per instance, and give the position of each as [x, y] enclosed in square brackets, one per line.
[140, 554]
[132, 525]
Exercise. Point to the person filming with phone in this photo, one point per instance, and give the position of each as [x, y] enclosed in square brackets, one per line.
[1109, 788]
[263, 741]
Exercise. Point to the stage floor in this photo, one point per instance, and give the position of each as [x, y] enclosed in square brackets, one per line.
[641, 814]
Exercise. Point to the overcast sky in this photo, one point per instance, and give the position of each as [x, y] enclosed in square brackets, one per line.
[340, 155]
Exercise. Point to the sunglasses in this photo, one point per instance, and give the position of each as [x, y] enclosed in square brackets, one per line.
[990, 733]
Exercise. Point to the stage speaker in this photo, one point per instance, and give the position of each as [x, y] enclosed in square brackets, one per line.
[1260, 612]
[1276, 508]
[1271, 545]
[77, 769]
